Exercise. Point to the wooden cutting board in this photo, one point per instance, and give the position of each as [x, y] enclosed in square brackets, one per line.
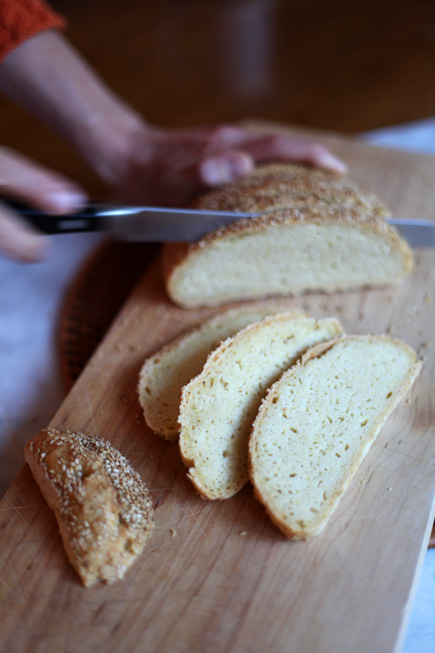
[218, 576]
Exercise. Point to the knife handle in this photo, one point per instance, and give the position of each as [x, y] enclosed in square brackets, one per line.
[87, 219]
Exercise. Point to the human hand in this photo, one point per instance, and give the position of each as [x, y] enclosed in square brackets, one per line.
[163, 166]
[39, 187]
[143, 164]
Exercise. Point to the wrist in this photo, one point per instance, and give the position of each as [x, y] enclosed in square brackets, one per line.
[104, 140]
[46, 75]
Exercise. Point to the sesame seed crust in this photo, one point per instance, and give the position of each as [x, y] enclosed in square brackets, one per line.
[288, 195]
[286, 185]
[102, 506]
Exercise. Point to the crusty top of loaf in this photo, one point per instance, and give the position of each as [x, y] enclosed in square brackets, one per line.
[103, 508]
[287, 194]
[290, 185]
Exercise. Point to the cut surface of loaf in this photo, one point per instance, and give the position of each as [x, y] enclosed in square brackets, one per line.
[218, 406]
[164, 374]
[318, 233]
[318, 422]
[102, 506]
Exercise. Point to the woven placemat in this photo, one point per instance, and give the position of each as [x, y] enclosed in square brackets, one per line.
[95, 297]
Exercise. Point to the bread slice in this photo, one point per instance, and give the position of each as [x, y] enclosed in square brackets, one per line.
[102, 507]
[218, 406]
[318, 422]
[164, 374]
[318, 233]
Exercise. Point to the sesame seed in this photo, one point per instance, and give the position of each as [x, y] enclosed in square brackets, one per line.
[120, 485]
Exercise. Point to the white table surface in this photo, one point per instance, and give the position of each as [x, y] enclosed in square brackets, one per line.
[31, 386]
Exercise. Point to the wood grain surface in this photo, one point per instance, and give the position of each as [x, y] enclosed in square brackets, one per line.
[218, 576]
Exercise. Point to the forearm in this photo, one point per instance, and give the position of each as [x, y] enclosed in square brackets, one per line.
[140, 162]
[47, 76]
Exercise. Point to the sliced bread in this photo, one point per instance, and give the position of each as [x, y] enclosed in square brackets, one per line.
[318, 232]
[318, 422]
[164, 374]
[102, 506]
[218, 406]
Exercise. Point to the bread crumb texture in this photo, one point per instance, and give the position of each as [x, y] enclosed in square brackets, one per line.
[164, 374]
[317, 232]
[318, 422]
[218, 406]
[102, 506]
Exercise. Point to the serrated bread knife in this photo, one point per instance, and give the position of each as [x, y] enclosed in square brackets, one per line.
[159, 224]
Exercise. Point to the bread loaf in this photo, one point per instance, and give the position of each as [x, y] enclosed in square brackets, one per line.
[318, 232]
[164, 374]
[218, 406]
[318, 422]
[102, 507]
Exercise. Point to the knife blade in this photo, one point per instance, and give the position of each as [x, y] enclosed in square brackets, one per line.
[160, 224]
[418, 233]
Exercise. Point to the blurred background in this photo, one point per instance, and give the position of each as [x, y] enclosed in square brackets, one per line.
[345, 66]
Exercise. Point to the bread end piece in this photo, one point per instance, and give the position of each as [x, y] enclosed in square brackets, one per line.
[101, 504]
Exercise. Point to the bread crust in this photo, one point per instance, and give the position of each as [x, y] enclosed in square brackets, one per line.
[101, 504]
[161, 404]
[229, 451]
[289, 195]
[292, 527]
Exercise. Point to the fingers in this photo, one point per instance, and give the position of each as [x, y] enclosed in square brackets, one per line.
[272, 147]
[222, 169]
[18, 241]
[171, 166]
[43, 189]
[282, 148]
[32, 183]
[229, 153]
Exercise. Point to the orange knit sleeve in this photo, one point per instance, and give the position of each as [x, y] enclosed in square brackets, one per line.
[21, 19]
